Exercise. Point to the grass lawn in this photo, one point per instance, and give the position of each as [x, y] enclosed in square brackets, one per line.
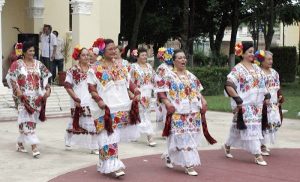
[291, 93]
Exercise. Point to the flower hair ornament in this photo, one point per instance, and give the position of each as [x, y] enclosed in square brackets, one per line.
[99, 46]
[165, 55]
[238, 49]
[76, 52]
[18, 49]
[259, 56]
[134, 53]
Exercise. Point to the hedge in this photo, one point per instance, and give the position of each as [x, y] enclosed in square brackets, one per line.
[212, 78]
[284, 62]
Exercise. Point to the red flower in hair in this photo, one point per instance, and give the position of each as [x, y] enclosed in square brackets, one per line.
[76, 52]
[238, 49]
[100, 44]
[18, 49]
[134, 53]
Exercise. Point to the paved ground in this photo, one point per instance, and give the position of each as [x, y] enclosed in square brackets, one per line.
[55, 161]
[215, 168]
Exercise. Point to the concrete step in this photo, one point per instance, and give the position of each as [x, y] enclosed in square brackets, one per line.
[58, 104]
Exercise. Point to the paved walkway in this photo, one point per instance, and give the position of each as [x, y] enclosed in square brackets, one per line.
[55, 161]
[215, 168]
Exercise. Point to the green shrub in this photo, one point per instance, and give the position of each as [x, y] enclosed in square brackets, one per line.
[212, 78]
[200, 59]
[284, 62]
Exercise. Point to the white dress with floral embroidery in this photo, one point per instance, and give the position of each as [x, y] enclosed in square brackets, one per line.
[143, 79]
[85, 136]
[251, 88]
[185, 135]
[274, 120]
[112, 85]
[160, 108]
[32, 82]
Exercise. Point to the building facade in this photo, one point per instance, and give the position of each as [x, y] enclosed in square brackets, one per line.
[81, 21]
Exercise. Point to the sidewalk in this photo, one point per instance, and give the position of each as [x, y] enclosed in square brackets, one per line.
[55, 160]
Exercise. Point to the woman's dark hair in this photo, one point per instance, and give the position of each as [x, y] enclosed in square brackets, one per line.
[246, 46]
[141, 50]
[55, 33]
[27, 45]
[107, 41]
[176, 51]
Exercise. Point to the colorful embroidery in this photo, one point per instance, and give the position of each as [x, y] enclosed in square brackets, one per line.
[77, 74]
[120, 120]
[117, 72]
[183, 123]
[108, 152]
[27, 128]
[28, 79]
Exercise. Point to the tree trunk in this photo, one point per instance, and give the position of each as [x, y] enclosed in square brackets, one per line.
[220, 34]
[139, 7]
[185, 26]
[269, 31]
[215, 43]
[234, 27]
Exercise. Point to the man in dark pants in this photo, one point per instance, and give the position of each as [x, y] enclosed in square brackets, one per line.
[59, 57]
[48, 43]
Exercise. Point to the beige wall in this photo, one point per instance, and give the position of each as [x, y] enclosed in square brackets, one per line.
[110, 21]
[292, 35]
[56, 13]
[104, 21]
[13, 15]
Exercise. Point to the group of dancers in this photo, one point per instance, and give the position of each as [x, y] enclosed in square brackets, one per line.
[111, 103]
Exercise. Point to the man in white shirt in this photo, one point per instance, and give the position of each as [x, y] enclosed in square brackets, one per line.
[48, 43]
[59, 57]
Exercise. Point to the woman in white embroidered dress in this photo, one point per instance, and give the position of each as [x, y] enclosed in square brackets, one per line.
[29, 80]
[165, 56]
[180, 91]
[141, 74]
[109, 85]
[81, 130]
[272, 114]
[246, 87]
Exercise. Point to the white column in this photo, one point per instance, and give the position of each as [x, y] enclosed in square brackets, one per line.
[1, 51]
[82, 9]
[35, 11]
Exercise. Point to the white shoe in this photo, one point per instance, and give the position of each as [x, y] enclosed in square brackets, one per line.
[20, 149]
[36, 153]
[190, 171]
[119, 173]
[151, 143]
[68, 147]
[227, 152]
[265, 153]
[168, 162]
[95, 151]
[260, 161]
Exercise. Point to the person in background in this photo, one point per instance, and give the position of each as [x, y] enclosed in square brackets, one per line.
[48, 46]
[58, 61]
[142, 75]
[271, 113]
